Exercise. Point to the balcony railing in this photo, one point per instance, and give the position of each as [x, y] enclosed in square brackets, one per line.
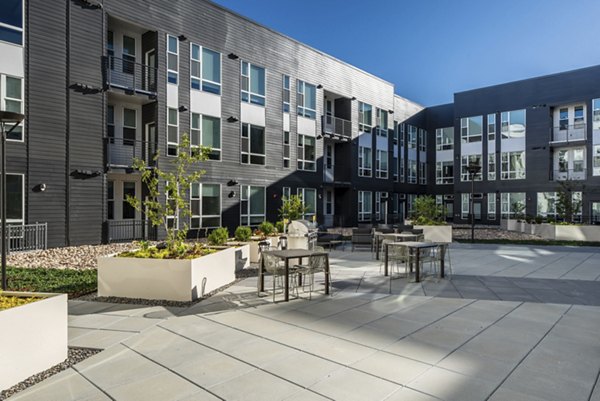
[26, 237]
[130, 76]
[121, 152]
[568, 133]
[129, 230]
[336, 127]
[571, 174]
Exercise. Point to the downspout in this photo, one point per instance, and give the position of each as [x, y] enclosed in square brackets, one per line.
[68, 125]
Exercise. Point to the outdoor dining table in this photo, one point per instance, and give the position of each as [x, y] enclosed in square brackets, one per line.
[414, 247]
[397, 236]
[286, 255]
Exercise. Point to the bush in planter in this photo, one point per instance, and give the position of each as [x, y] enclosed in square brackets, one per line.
[218, 236]
[243, 234]
[280, 226]
[266, 228]
[427, 212]
[538, 219]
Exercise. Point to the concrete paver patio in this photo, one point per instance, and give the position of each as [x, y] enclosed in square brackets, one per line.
[514, 323]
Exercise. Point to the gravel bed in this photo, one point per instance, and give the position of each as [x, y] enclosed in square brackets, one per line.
[490, 234]
[75, 356]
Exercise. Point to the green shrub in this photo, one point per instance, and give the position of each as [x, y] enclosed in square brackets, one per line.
[292, 208]
[266, 228]
[218, 236]
[427, 212]
[279, 226]
[425, 221]
[243, 233]
[538, 219]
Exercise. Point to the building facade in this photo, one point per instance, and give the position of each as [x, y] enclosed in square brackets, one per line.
[104, 82]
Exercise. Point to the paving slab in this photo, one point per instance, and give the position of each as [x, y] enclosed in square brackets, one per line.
[348, 384]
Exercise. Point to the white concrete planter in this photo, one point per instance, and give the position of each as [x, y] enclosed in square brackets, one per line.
[545, 231]
[577, 233]
[437, 233]
[169, 279]
[33, 337]
[254, 251]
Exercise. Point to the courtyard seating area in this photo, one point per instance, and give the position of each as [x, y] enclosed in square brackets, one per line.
[510, 323]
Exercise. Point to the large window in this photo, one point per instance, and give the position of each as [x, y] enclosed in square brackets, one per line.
[129, 126]
[382, 123]
[253, 84]
[365, 117]
[14, 198]
[395, 168]
[172, 132]
[309, 200]
[579, 118]
[172, 59]
[513, 124]
[412, 137]
[206, 131]
[11, 21]
[128, 211]
[444, 172]
[11, 99]
[491, 212]
[412, 171]
[365, 161]
[205, 69]
[513, 165]
[110, 200]
[444, 138]
[286, 149]
[422, 173]
[491, 124]
[381, 199]
[471, 129]
[401, 132]
[491, 174]
[465, 205]
[252, 204]
[381, 164]
[253, 144]
[596, 160]
[512, 204]
[465, 161]
[546, 204]
[563, 119]
[307, 100]
[205, 204]
[401, 169]
[596, 114]
[286, 93]
[306, 153]
[422, 140]
[364, 205]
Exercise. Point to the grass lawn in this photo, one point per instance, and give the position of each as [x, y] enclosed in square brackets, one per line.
[72, 282]
[528, 242]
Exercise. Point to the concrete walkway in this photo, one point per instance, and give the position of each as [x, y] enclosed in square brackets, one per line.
[448, 340]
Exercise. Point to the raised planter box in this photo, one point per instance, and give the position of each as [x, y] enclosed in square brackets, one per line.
[437, 233]
[577, 233]
[254, 251]
[33, 337]
[169, 279]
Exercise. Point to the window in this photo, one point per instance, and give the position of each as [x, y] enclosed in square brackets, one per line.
[129, 127]
[491, 175]
[422, 173]
[395, 168]
[15, 211]
[286, 94]
[172, 219]
[110, 48]
[172, 132]
[381, 164]
[252, 205]
[512, 204]
[471, 129]
[206, 131]
[563, 161]
[365, 161]
[412, 137]
[205, 204]
[465, 205]
[365, 117]
[596, 160]
[595, 212]
[253, 84]
[382, 123]
[253, 144]
[286, 149]
[422, 140]
[444, 172]
[465, 161]
[11, 97]
[563, 119]
[306, 100]
[381, 198]
[128, 55]
[110, 200]
[306, 153]
[411, 198]
[110, 121]
[579, 160]
[395, 133]
[444, 138]
[172, 59]
[513, 165]
[579, 119]
[546, 204]
[401, 169]
[205, 69]
[286, 192]
[11, 21]
[412, 171]
[309, 200]
[328, 202]
[127, 208]
[596, 114]
[401, 128]
[512, 124]
[364, 205]
[491, 124]
[491, 210]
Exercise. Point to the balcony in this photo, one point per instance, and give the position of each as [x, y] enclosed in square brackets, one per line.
[336, 128]
[575, 175]
[129, 230]
[130, 76]
[568, 134]
[121, 152]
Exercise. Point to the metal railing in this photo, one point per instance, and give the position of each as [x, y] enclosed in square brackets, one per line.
[568, 133]
[571, 174]
[26, 237]
[120, 152]
[129, 230]
[129, 75]
[336, 126]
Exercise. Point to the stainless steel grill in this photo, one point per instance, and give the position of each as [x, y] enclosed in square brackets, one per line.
[301, 235]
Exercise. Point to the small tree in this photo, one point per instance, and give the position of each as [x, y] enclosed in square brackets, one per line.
[176, 182]
[518, 209]
[427, 212]
[292, 208]
[566, 206]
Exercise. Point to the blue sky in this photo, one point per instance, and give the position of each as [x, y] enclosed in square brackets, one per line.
[432, 48]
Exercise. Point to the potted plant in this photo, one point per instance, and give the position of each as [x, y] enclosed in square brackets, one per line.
[175, 270]
[429, 217]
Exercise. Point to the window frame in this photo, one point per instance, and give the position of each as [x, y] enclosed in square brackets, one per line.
[380, 172]
[382, 127]
[200, 199]
[411, 138]
[4, 98]
[491, 127]
[22, 219]
[412, 171]
[365, 170]
[464, 173]
[491, 166]
[287, 145]
[176, 54]
[422, 140]
[216, 153]
[171, 144]
[466, 135]
[422, 173]
[16, 29]
[506, 124]
[491, 206]
[440, 177]
[247, 199]
[302, 160]
[249, 153]
[301, 192]
[252, 97]
[286, 92]
[364, 125]
[440, 144]
[363, 213]
[301, 107]
[506, 173]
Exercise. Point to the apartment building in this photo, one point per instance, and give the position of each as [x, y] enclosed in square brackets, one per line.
[104, 82]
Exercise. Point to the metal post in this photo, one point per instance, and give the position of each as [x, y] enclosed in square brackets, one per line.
[3, 209]
[472, 208]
